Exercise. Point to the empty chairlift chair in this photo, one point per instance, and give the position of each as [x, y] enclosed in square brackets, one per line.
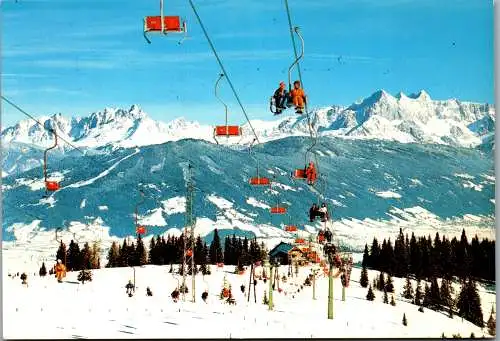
[278, 210]
[50, 185]
[225, 130]
[163, 24]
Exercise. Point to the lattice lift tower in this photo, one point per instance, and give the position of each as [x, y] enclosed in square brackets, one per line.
[189, 240]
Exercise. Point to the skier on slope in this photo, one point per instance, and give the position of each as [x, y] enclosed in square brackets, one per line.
[130, 288]
[60, 270]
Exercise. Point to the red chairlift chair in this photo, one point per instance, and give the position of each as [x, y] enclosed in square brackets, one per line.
[163, 24]
[225, 130]
[50, 185]
[278, 210]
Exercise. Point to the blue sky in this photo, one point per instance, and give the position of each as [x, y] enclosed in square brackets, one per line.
[77, 57]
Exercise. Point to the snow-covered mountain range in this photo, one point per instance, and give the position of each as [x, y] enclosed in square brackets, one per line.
[404, 118]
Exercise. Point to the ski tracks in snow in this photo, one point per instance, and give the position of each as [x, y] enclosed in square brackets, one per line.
[102, 174]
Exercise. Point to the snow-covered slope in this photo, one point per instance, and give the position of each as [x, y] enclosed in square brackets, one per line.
[413, 118]
[49, 310]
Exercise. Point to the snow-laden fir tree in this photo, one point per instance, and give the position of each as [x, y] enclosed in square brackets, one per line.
[381, 282]
[265, 300]
[435, 295]
[141, 256]
[418, 294]
[389, 286]
[427, 296]
[386, 298]
[370, 296]
[363, 280]
[408, 289]
[43, 271]
[85, 276]
[469, 303]
[113, 255]
[445, 295]
[492, 323]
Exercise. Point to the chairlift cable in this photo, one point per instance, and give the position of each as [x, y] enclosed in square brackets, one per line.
[40, 123]
[222, 68]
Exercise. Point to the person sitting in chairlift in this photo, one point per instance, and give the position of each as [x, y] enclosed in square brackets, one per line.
[280, 98]
[328, 236]
[323, 212]
[311, 174]
[298, 97]
[313, 212]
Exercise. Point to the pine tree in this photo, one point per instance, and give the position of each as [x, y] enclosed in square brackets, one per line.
[228, 250]
[405, 322]
[163, 254]
[492, 323]
[418, 294]
[375, 254]
[389, 286]
[366, 257]
[401, 265]
[85, 276]
[152, 252]
[61, 252]
[113, 255]
[427, 296]
[215, 249]
[469, 303]
[363, 281]
[386, 298]
[435, 294]
[370, 296]
[198, 251]
[381, 282]
[393, 302]
[263, 251]
[141, 255]
[408, 289]
[73, 260]
[124, 254]
[265, 300]
[85, 257]
[245, 254]
[204, 269]
[131, 255]
[415, 257]
[43, 271]
[95, 255]
[445, 294]
[205, 252]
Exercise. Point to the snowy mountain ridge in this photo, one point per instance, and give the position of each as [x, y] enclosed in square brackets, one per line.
[414, 118]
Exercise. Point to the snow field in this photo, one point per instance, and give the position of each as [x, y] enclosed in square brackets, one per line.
[50, 310]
